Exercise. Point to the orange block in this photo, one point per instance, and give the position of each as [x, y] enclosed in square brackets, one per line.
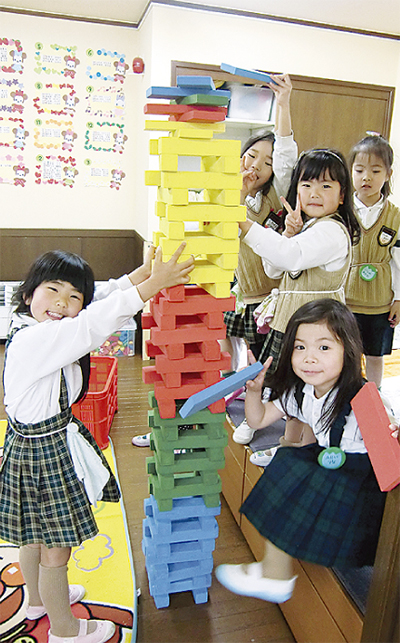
[383, 449]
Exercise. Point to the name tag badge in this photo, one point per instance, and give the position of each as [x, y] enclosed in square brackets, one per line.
[332, 458]
[368, 272]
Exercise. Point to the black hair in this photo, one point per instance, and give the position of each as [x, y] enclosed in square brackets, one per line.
[342, 323]
[64, 266]
[260, 135]
[314, 164]
[378, 146]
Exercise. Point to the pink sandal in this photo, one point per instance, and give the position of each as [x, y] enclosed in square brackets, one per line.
[103, 632]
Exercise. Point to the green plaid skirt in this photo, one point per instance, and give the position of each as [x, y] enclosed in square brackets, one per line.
[41, 498]
[328, 517]
[238, 325]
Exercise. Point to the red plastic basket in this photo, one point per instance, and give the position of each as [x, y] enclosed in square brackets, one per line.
[97, 409]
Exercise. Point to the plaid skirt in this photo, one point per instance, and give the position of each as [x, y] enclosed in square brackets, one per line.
[272, 346]
[328, 517]
[238, 325]
[41, 498]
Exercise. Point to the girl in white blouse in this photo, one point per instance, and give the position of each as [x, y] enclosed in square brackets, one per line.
[52, 469]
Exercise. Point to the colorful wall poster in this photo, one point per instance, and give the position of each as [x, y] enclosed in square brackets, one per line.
[105, 136]
[55, 170]
[56, 60]
[106, 101]
[59, 99]
[54, 134]
[12, 56]
[12, 169]
[102, 174]
[103, 64]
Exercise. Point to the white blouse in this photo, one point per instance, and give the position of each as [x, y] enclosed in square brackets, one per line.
[38, 353]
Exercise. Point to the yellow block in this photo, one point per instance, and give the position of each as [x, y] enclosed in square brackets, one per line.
[168, 162]
[219, 291]
[205, 273]
[223, 229]
[153, 146]
[176, 196]
[203, 212]
[197, 244]
[215, 147]
[172, 229]
[225, 261]
[174, 126]
[222, 197]
[152, 177]
[199, 180]
[228, 164]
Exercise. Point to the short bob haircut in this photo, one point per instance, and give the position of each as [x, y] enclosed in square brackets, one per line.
[377, 145]
[52, 266]
[343, 325]
[261, 135]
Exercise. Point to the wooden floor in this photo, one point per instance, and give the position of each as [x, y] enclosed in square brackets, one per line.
[226, 618]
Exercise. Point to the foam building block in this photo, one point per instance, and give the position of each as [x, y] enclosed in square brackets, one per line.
[205, 82]
[219, 390]
[383, 449]
[262, 77]
[173, 93]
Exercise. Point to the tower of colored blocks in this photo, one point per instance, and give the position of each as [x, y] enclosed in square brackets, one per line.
[185, 325]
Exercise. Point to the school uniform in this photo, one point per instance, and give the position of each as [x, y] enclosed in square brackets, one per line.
[45, 496]
[330, 517]
[374, 279]
[313, 264]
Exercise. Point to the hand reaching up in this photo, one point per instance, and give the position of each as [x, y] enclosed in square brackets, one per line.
[293, 220]
[166, 274]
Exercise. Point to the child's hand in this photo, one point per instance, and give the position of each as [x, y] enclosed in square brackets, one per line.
[293, 220]
[256, 385]
[166, 274]
[394, 429]
[282, 88]
[144, 271]
[249, 178]
[394, 314]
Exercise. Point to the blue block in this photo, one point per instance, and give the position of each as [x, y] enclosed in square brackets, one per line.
[247, 73]
[181, 92]
[199, 596]
[180, 552]
[187, 507]
[219, 390]
[181, 530]
[185, 585]
[171, 572]
[201, 82]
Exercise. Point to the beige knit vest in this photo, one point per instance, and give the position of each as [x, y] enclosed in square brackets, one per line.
[312, 283]
[253, 282]
[374, 297]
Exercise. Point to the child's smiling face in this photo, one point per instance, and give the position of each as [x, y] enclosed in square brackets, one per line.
[258, 158]
[54, 300]
[319, 197]
[369, 174]
[318, 357]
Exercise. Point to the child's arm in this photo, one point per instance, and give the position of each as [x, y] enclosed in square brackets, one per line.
[259, 414]
[394, 314]
[166, 275]
[282, 88]
[143, 272]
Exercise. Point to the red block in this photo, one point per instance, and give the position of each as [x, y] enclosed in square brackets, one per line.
[186, 334]
[383, 449]
[192, 362]
[196, 301]
[199, 116]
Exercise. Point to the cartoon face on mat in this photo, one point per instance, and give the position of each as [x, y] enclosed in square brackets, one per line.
[13, 595]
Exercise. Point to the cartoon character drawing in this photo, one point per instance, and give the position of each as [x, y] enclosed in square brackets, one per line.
[20, 136]
[71, 62]
[18, 101]
[69, 177]
[119, 141]
[69, 137]
[20, 173]
[116, 178]
[15, 628]
[17, 66]
[70, 102]
[120, 70]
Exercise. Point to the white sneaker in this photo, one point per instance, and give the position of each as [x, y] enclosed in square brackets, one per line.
[141, 440]
[263, 458]
[243, 434]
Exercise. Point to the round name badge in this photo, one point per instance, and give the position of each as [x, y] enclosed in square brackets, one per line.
[332, 458]
[368, 272]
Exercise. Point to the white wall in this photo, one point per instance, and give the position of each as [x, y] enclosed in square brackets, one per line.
[166, 34]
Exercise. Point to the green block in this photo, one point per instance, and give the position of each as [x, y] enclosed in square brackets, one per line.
[186, 462]
[205, 484]
[204, 99]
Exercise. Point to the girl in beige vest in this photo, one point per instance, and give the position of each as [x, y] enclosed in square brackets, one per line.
[373, 286]
[313, 264]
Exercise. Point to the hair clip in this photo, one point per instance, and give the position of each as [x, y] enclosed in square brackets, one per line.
[368, 133]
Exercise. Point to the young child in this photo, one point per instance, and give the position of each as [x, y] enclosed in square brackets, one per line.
[373, 286]
[267, 161]
[327, 516]
[315, 262]
[52, 469]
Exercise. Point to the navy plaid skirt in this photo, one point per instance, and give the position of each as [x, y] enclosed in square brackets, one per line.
[328, 517]
[41, 498]
[238, 325]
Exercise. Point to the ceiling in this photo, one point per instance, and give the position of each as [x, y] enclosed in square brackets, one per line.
[369, 15]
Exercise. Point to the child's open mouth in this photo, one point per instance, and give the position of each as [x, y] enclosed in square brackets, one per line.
[54, 316]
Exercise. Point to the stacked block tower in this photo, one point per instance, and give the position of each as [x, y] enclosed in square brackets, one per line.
[185, 324]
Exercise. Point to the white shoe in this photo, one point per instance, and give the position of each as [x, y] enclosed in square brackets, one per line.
[76, 593]
[263, 458]
[251, 582]
[243, 434]
[103, 632]
[141, 440]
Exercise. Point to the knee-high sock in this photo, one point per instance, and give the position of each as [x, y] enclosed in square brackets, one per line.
[29, 559]
[54, 592]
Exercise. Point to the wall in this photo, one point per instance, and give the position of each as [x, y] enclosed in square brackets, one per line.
[165, 34]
